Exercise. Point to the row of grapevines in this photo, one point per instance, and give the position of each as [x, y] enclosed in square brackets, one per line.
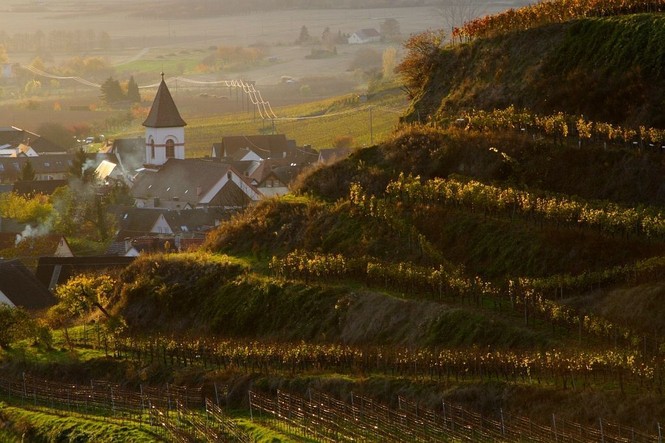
[526, 297]
[603, 216]
[550, 11]
[560, 126]
[643, 270]
[621, 367]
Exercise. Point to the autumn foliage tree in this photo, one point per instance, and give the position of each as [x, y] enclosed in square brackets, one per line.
[85, 293]
[420, 59]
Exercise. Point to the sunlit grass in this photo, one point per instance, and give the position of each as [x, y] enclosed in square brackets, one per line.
[49, 426]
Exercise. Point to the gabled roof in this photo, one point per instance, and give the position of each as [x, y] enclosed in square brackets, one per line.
[164, 113]
[53, 271]
[134, 222]
[36, 244]
[195, 220]
[14, 136]
[105, 169]
[22, 288]
[265, 146]
[266, 168]
[186, 180]
[130, 152]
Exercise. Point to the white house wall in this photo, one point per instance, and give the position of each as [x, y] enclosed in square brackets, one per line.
[251, 155]
[244, 187]
[160, 135]
[6, 301]
[63, 249]
[274, 191]
[161, 226]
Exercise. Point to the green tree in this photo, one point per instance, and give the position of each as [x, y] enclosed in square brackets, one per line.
[28, 171]
[80, 169]
[111, 91]
[15, 324]
[35, 209]
[133, 94]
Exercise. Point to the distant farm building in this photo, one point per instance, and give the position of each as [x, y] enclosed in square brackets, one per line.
[369, 35]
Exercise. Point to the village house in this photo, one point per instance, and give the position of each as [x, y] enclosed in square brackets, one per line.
[30, 244]
[48, 167]
[12, 137]
[183, 184]
[363, 36]
[270, 162]
[160, 229]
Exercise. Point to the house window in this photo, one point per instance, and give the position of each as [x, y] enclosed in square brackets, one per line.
[170, 148]
[152, 149]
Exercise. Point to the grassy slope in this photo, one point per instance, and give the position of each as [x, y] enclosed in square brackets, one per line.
[608, 69]
[45, 426]
[237, 299]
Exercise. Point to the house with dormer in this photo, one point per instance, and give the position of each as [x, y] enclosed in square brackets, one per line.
[193, 183]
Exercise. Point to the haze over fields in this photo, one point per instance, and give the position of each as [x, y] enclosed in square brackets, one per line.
[185, 39]
[137, 29]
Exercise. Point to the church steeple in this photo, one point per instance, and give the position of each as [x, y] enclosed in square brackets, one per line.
[163, 113]
[164, 129]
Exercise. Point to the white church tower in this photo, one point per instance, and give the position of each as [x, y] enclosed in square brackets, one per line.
[164, 129]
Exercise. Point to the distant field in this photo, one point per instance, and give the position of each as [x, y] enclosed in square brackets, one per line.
[317, 123]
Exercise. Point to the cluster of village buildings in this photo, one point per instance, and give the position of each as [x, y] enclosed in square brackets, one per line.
[177, 200]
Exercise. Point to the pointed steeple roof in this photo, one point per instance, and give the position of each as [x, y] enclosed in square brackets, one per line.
[164, 113]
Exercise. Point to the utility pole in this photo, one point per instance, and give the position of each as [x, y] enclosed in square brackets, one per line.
[371, 129]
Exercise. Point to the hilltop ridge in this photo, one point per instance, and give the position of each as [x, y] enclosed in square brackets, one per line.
[609, 69]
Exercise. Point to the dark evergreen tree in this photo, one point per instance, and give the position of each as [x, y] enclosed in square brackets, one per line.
[28, 171]
[304, 35]
[133, 94]
[80, 169]
[111, 91]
